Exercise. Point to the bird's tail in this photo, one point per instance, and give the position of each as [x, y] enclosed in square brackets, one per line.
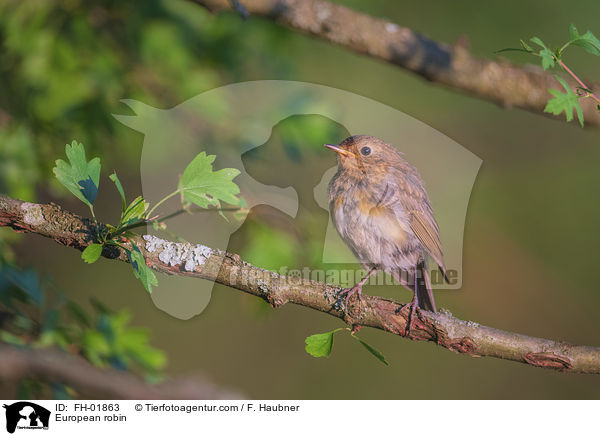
[424, 292]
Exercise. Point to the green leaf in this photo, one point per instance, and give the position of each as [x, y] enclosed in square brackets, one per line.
[526, 46]
[114, 342]
[10, 338]
[23, 323]
[151, 358]
[48, 338]
[51, 320]
[95, 346]
[372, 350]
[548, 57]
[92, 253]
[320, 345]
[204, 187]
[60, 392]
[140, 269]
[78, 313]
[573, 33]
[132, 344]
[579, 113]
[28, 282]
[564, 102]
[538, 41]
[117, 183]
[512, 49]
[135, 211]
[80, 177]
[100, 307]
[587, 41]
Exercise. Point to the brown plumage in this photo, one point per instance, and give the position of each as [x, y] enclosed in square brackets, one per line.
[380, 208]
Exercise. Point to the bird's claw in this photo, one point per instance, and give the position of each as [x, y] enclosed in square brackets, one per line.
[349, 292]
[413, 310]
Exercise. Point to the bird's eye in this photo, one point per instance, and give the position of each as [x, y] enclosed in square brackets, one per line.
[365, 151]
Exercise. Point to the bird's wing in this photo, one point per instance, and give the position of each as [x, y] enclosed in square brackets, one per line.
[412, 201]
[426, 230]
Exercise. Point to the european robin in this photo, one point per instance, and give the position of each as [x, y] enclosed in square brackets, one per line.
[380, 208]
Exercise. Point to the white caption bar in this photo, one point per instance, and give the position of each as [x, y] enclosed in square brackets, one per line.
[249, 417]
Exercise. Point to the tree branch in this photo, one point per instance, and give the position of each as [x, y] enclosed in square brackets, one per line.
[501, 82]
[184, 259]
[53, 365]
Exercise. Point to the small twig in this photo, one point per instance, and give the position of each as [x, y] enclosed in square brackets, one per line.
[175, 214]
[578, 80]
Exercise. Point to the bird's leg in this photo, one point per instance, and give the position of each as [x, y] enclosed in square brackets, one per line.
[414, 307]
[356, 288]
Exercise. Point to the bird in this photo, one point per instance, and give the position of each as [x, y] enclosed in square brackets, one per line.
[380, 209]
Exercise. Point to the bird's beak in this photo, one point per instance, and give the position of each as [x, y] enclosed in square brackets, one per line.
[339, 150]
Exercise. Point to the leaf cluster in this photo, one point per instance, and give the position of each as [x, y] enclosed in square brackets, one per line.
[35, 313]
[567, 101]
[199, 185]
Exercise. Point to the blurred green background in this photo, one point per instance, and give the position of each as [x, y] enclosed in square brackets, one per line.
[531, 233]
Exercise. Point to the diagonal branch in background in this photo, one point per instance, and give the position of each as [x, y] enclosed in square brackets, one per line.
[55, 366]
[466, 337]
[501, 82]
